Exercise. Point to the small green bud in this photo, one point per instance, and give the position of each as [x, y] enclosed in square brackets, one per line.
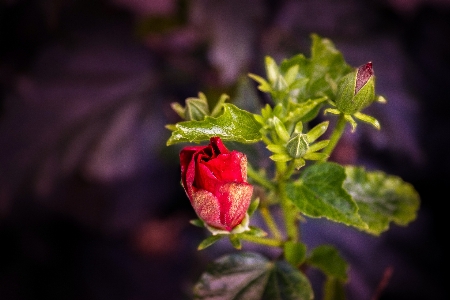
[196, 109]
[356, 90]
[297, 145]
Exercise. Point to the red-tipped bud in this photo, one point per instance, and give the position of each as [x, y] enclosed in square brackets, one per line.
[215, 181]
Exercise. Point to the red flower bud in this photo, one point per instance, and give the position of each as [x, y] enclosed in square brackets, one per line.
[215, 181]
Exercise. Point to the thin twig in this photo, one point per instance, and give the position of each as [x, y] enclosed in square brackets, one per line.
[383, 283]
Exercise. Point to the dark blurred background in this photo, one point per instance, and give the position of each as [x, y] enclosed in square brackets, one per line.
[90, 201]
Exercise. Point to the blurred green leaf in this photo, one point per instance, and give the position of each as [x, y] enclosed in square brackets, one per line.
[381, 198]
[294, 252]
[323, 69]
[329, 261]
[250, 276]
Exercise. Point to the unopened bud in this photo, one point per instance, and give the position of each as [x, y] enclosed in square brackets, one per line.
[356, 90]
[297, 145]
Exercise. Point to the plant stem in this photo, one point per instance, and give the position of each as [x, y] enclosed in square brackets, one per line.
[289, 211]
[267, 216]
[335, 136]
[260, 240]
[258, 178]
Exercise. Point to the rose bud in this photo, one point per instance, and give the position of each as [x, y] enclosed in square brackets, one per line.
[215, 181]
[356, 90]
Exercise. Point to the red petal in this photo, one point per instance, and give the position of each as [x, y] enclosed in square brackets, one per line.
[218, 146]
[234, 199]
[207, 207]
[229, 167]
[363, 75]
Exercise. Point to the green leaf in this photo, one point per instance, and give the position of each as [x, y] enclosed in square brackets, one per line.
[250, 276]
[294, 252]
[325, 67]
[233, 125]
[381, 198]
[329, 261]
[304, 111]
[319, 193]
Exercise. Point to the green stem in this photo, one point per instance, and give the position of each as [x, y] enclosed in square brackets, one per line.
[260, 240]
[289, 211]
[336, 135]
[290, 170]
[267, 216]
[258, 178]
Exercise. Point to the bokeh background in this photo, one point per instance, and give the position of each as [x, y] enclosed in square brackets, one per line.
[90, 201]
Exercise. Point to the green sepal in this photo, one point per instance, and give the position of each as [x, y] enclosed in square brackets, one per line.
[235, 241]
[264, 86]
[317, 131]
[368, 119]
[179, 109]
[319, 145]
[197, 222]
[352, 122]
[209, 241]
[333, 111]
[253, 206]
[315, 156]
[196, 109]
[281, 157]
[298, 127]
[219, 105]
[298, 163]
[256, 231]
[279, 149]
[260, 119]
[266, 112]
[294, 253]
[280, 129]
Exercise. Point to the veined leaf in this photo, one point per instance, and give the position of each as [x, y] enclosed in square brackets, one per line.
[233, 124]
[381, 198]
[250, 276]
[319, 193]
